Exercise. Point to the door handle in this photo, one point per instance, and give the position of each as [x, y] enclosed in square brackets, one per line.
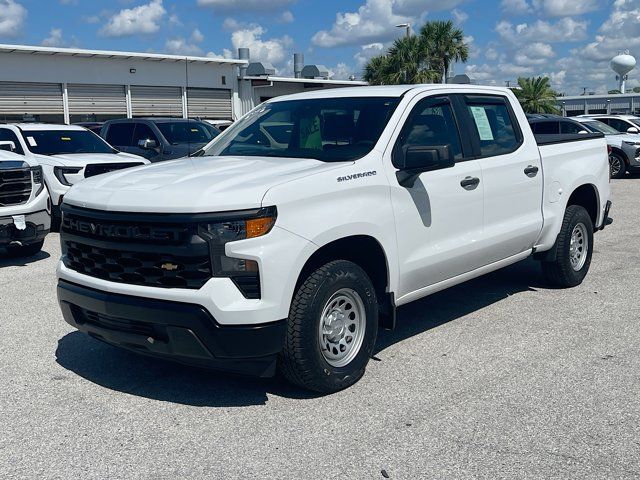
[470, 183]
[531, 171]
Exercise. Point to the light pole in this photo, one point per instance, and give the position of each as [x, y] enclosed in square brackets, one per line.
[407, 26]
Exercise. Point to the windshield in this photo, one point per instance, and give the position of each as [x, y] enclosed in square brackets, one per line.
[635, 121]
[187, 132]
[56, 142]
[326, 129]
[597, 126]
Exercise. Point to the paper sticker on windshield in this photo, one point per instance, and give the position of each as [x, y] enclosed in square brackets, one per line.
[194, 130]
[32, 141]
[482, 123]
[65, 139]
[310, 136]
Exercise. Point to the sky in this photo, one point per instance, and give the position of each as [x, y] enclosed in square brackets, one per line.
[571, 41]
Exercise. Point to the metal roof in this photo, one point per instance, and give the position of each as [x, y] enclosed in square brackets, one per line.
[81, 53]
[272, 78]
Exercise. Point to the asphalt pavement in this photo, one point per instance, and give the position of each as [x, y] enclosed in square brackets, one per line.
[501, 377]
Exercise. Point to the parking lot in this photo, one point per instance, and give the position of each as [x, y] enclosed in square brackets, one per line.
[500, 377]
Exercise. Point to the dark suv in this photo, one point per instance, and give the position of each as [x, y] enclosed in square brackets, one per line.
[158, 139]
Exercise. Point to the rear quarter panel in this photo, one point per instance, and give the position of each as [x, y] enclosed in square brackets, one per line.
[566, 167]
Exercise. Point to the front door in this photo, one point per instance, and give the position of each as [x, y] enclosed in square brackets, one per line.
[439, 220]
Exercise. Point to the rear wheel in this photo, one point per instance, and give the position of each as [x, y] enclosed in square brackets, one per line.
[574, 248]
[332, 328]
[617, 165]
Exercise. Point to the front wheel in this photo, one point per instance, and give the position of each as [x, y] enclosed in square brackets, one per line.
[617, 165]
[574, 248]
[332, 328]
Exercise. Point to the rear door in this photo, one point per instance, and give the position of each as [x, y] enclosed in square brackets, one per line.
[512, 176]
[439, 219]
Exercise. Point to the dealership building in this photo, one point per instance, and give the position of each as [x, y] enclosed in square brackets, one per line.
[600, 104]
[68, 85]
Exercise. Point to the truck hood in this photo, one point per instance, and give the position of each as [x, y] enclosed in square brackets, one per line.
[84, 159]
[192, 185]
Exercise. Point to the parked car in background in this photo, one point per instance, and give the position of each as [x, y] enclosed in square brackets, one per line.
[625, 147]
[24, 205]
[221, 125]
[158, 139]
[95, 127]
[622, 123]
[67, 154]
[290, 253]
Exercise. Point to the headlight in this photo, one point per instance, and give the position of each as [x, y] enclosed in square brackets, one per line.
[238, 226]
[62, 172]
[38, 179]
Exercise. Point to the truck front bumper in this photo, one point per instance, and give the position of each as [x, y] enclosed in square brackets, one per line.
[181, 332]
[37, 226]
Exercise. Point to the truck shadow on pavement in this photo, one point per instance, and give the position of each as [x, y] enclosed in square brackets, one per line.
[9, 261]
[134, 374]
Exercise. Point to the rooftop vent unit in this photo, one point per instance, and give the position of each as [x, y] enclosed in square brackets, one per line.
[260, 69]
[315, 71]
[461, 79]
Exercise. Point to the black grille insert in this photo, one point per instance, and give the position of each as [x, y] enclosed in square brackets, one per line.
[15, 186]
[92, 170]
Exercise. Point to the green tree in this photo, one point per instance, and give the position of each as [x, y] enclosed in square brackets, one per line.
[536, 95]
[424, 58]
[444, 44]
[636, 89]
[614, 92]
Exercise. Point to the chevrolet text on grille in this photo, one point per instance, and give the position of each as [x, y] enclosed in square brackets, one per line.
[120, 231]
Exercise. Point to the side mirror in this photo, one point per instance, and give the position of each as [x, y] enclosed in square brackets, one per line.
[417, 159]
[148, 144]
[633, 130]
[8, 146]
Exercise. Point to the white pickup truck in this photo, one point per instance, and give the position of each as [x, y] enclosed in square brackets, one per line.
[24, 208]
[67, 154]
[297, 233]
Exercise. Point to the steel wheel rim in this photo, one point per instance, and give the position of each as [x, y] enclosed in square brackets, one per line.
[342, 327]
[615, 163]
[579, 246]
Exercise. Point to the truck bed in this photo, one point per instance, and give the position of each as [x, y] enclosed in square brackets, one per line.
[550, 139]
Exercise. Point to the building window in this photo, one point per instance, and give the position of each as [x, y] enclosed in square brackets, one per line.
[224, 80]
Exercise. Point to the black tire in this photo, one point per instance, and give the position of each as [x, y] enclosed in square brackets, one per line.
[617, 165]
[25, 250]
[302, 361]
[561, 272]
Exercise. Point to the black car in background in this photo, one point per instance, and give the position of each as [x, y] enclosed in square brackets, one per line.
[158, 139]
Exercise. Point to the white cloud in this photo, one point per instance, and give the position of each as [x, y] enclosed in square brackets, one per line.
[373, 22]
[180, 46]
[54, 39]
[144, 19]
[515, 7]
[340, 72]
[197, 36]
[565, 8]
[459, 16]
[273, 50]
[418, 7]
[367, 52]
[246, 5]
[12, 17]
[175, 21]
[286, 17]
[564, 30]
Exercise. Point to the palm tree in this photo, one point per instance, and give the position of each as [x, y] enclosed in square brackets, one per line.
[536, 95]
[425, 58]
[444, 44]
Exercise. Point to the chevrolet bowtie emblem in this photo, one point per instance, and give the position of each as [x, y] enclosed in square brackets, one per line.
[169, 267]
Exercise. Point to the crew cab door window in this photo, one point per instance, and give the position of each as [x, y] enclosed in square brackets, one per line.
[619, 125]
[570, 127]
[7, 135]
[432, 124]
[120, 134]
[495, 130]
[545, 128]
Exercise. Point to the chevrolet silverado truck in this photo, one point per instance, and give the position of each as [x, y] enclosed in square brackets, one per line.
[24, 209]
[67, 154]
[297, 232]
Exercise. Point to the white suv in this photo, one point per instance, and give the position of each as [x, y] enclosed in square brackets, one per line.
[622, 123]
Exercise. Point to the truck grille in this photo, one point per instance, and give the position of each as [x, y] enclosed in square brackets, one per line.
[15, 186]
[92, 170]
[134, 249]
